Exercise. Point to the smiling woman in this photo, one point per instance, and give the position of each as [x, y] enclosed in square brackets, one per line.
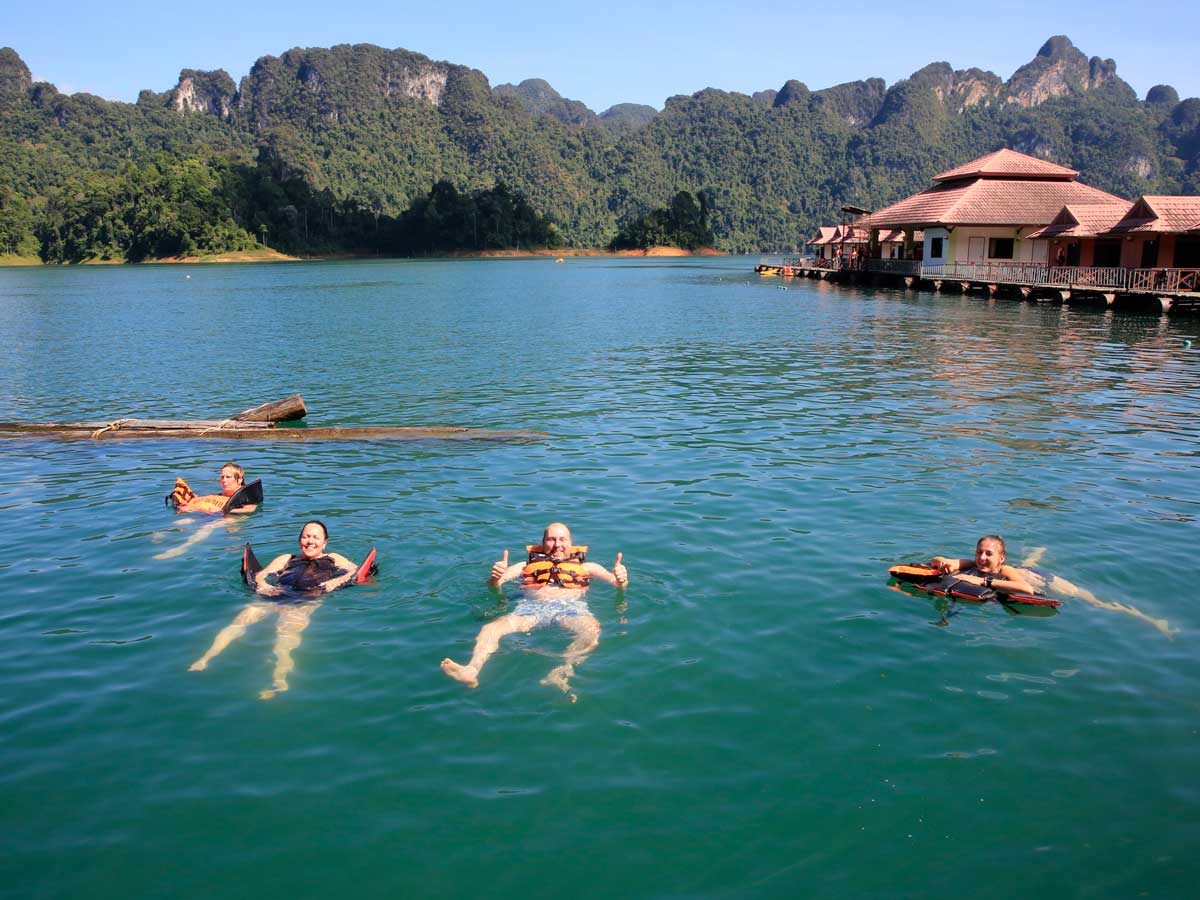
[299, 581]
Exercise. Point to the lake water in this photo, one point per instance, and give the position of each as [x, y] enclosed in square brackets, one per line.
[764, 716]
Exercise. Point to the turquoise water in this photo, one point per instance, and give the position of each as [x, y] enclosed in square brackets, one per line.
[764, 715]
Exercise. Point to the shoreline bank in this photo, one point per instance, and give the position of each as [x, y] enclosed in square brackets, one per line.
[267, 255]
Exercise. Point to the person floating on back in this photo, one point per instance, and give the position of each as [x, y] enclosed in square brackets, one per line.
[245, 497]
[989, 568]
[554, 580]
[300, 581]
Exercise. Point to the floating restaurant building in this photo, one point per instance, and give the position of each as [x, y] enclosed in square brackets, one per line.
[986, 210]
[1008, 222]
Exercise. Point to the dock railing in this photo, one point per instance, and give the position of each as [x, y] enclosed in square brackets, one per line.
[993, 272]
[1089, 276]
[1171, 280]
[1102, 278]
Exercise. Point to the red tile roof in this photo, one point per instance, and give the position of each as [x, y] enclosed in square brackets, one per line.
[985, 201]
[1083, 221]
[1007, 163]
[1160, 213]
[896, 236]
[825, 234]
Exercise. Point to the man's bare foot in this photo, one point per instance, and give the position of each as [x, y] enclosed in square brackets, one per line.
[198, 666]
[558, 676]
[468, 675]
[278, 688]
[1165, 628]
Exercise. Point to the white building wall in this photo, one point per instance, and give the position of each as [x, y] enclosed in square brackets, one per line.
[972, 243]
[930, 234]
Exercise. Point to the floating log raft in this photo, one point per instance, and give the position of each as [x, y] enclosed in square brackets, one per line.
[258, 423]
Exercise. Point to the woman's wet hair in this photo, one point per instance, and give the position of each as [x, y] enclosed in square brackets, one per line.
[314, 522]
[993, 537]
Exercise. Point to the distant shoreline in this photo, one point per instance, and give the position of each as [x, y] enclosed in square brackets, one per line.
[268, 255]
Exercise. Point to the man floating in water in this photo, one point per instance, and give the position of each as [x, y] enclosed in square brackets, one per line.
[554, 580]
[989, 568]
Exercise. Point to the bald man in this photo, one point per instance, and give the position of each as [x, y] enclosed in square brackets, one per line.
[554, 580]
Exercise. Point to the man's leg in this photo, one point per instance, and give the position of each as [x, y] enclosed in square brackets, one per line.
[587, 635]
[486, 644]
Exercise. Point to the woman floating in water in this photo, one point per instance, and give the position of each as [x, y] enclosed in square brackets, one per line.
[300, 581]
[989, 568]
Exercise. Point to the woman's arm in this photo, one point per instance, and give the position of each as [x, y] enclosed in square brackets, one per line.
[348, 569]
[261, 585]
[948, 565]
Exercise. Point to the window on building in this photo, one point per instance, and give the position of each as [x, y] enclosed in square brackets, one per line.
[935, 248]
[1000, 248]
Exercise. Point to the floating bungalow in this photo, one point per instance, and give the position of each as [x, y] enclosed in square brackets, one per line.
[1158, 237]
[1011, 222]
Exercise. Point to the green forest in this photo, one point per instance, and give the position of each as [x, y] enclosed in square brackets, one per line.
[360, 149]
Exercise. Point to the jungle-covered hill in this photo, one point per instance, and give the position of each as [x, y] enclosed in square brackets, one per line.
[324, 150]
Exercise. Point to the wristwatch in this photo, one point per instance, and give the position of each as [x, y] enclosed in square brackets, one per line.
[988, 581]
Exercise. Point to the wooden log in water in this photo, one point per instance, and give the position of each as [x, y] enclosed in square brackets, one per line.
[133, 428]
[289, 409]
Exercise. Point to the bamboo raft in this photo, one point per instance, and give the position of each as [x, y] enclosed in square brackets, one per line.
[259, 423]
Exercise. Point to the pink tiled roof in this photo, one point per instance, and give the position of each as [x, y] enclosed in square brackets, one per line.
[1160, 213]
[825, 234]
[896, 236]
[1007, 163]
[985, 201]
[1084, 221]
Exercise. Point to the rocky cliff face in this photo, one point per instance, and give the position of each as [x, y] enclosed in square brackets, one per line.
[958, 89]
[204, 92]
[937, 92]
[15, 80]
[1060, 69]
[320, 84]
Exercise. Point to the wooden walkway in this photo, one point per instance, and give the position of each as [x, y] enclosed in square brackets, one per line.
[1170, 290]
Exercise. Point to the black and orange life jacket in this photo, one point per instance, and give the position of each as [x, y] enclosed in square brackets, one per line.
[185, 496]
[542, 571]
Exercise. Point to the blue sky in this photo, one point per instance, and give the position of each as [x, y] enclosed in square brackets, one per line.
[611, 52]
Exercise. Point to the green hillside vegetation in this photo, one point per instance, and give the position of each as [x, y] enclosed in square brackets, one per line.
[684, 224]
[336, 151]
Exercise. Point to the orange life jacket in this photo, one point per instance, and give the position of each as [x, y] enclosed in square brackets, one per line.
[542, 571]
[185, 496]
